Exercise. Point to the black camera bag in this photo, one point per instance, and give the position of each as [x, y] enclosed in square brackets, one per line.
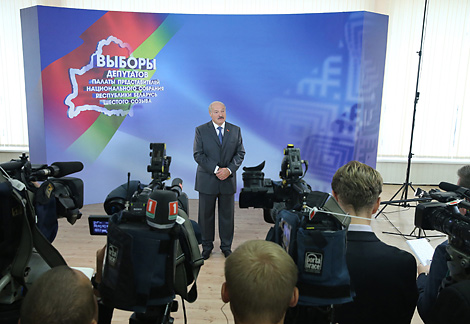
[320, 256]
[147, 267]
[139, 265]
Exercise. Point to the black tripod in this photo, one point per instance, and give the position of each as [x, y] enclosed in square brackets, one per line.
[404, 202]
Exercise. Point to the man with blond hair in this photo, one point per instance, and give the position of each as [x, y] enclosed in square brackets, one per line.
[260, 283]
[382, 276]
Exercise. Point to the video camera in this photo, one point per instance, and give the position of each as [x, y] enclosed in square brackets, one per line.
[443, 215]
[311, 227]
[273, 196]
[67, 192]
[133, 195]
[152, 252]
[32, 198]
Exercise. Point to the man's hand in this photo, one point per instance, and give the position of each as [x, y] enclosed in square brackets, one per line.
[99, 263]
[222, 173]
[96, 280]
[423, 269]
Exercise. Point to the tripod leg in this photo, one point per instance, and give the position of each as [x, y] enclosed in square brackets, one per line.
[421, 233]
[396, 193]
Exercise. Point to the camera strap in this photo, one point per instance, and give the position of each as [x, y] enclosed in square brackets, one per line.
[31, 238]
[181, 276]
[25, 248]
[188, 270]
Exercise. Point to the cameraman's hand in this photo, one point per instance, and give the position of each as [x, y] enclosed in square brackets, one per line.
[423, 269]
[99, 261]
[223, 173]
[99, 267]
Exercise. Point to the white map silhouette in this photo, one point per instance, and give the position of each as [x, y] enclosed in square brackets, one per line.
[75, 111]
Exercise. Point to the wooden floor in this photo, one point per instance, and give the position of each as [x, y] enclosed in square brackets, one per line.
[78, 248]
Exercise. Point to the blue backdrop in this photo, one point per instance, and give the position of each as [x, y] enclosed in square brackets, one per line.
[312, 80]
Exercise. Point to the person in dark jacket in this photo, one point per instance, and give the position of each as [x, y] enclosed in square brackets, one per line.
[219, 152]
[383, 277]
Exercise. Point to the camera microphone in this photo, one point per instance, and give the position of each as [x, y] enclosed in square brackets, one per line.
[452, 187]
[60, 169]
[162, 209]
[177, 182]
[177, 186]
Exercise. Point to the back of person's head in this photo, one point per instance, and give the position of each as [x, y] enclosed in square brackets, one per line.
[60, 295]
[357, 184]
[464, 176]
[260, 282]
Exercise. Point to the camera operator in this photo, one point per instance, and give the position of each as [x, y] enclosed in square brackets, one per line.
[260, 283]
[60, 295]
[382, 276]
[430, 277]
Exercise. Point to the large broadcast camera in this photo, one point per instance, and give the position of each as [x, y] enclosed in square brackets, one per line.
[134, 195]
[444, 215]
[273, 196]
[32, 198]
[311, 227]
[152, 252]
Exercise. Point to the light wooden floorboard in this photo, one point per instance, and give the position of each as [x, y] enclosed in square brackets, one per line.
[78, 248]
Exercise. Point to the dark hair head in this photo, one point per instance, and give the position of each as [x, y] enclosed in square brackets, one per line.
[464, 176]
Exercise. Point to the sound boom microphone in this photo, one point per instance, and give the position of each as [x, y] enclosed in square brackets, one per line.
[60, 169]
[458, 189]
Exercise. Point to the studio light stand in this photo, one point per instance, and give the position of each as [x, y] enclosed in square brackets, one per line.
[404, 201]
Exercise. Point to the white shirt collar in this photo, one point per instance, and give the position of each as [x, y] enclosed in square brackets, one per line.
[216, 126]
[359, 228]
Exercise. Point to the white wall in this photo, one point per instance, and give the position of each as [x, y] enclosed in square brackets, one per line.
[421, 172]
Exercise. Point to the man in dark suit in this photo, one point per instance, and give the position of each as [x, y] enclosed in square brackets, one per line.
[382, 276]
[219, 152]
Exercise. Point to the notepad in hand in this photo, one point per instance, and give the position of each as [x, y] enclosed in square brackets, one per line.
[422, 249]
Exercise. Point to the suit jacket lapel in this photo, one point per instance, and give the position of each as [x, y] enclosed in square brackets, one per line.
[213, 131]
[226, 134]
